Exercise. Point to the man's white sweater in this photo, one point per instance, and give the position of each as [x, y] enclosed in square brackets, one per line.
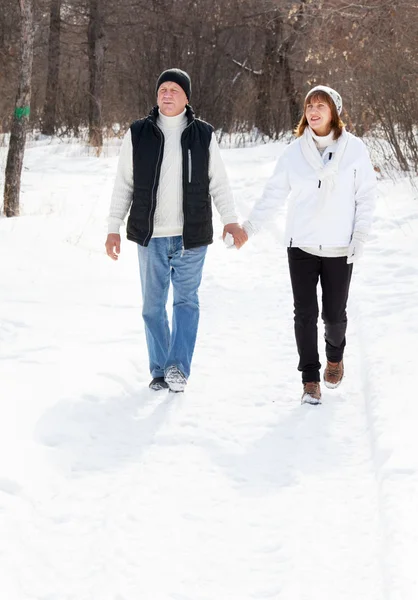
[168, 219]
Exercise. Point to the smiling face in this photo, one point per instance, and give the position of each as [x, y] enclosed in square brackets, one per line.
[318, 113]
[171, 99]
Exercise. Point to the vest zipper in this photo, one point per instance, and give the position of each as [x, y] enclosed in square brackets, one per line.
[153, 195]
[184, 184]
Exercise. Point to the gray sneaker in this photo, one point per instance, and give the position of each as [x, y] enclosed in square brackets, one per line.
[158, 384]
[175, 379]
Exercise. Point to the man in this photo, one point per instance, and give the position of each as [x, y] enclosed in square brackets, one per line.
[169, 168]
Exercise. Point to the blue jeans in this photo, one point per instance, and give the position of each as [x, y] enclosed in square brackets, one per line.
[164, 259]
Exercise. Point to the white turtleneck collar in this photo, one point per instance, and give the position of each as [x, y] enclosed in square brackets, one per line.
[172, 122]
[322, 141]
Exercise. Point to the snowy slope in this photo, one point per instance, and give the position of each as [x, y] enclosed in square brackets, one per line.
[233, 491]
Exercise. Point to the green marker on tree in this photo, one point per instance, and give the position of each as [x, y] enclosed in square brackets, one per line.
[22, 111]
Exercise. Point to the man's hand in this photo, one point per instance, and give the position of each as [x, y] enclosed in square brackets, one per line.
[113, 245]
[239, 234]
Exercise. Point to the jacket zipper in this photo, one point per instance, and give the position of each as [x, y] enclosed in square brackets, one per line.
[190, 166]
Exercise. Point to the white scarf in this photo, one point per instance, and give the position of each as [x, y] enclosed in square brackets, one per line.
[326, 172]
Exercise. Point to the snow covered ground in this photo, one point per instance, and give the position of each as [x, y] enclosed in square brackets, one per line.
[232, 491]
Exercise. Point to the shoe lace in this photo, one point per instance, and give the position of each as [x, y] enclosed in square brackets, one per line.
[312, 387]
[334, 369]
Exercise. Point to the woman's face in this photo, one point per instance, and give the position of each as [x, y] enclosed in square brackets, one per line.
[319, 116]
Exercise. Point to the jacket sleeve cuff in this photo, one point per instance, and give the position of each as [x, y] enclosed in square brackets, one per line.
[360, 236]
[250, 228]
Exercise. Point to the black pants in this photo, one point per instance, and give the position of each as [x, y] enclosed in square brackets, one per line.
[335, 275]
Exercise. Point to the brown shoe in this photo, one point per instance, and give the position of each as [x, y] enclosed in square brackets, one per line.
[333, 374]
[311, 393]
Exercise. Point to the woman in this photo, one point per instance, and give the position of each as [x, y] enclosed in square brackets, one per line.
[329, 183]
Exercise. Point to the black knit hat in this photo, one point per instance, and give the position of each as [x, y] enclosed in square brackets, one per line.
[177, 76]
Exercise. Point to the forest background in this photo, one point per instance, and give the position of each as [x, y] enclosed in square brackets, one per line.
[94, 64]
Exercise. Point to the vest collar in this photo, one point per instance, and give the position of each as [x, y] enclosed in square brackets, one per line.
[153, 115]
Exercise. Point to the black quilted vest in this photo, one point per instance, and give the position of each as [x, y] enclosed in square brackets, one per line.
[148, 149]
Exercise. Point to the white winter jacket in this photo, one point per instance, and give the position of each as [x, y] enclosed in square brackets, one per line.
[315, 220]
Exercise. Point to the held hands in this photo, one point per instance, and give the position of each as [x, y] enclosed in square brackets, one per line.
[113, 245]
[237, 232]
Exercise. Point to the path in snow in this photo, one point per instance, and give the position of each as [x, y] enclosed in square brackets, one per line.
[233, 491]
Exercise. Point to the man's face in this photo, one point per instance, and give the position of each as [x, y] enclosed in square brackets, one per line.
[171, 99]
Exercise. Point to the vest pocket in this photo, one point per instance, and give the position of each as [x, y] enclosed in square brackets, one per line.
[199, 211]
[141, 205]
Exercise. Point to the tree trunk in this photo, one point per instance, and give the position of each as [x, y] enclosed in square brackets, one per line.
[97, 49]
[21, 113]
[284, 61]
[289, 87]
[50, 107]
[264, 105]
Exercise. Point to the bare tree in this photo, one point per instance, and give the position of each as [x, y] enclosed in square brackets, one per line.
[9, 59]
[97, 49]
[50, 107]
[251, 63]
[21, 113]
